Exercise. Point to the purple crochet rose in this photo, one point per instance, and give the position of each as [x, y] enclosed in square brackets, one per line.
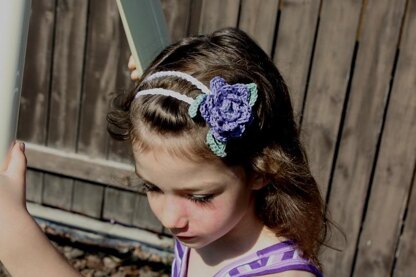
[227, 109]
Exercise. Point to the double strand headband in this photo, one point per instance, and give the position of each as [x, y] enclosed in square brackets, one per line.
[227, 109]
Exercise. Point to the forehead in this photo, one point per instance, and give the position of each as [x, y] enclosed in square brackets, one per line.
[189, 143]
[162, 168]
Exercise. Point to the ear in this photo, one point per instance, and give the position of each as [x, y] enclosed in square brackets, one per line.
[257, 181]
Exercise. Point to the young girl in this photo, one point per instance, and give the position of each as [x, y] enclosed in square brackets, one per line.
[215, 141]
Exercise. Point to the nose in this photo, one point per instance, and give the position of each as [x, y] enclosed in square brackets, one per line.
[173, 215]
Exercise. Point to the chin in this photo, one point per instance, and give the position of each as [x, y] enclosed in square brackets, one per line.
[194, 245]
[195, 242]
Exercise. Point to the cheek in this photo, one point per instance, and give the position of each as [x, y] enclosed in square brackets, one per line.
[212, 216]
[159, 204]
[230, 207]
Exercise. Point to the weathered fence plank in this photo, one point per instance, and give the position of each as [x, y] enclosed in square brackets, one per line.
[143, 216]
[121, 150]
[259, 21]
[70, 25]
[328, 84]
[34, 181]
[294, 45]
[102, 54]
[177, 14]
[395, 165]
[194, 17]
[119, 206]
[217, 14]
[70, 29]
[36, 84]
[35, 90]
[78, 166]
[374, 64]
[57, 191]
[87, 201]
[103, 49]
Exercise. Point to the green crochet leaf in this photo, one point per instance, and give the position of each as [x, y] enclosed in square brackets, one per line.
[252, 87]
[193, 108]
[216, 146]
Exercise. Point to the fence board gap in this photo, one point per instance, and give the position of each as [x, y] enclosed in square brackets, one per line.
[405, 255]
[403, 223]
[259, 21]
[83, 74]
[341, 124]
[49, 95]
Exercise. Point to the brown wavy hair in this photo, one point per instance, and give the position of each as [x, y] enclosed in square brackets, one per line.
[291, 203]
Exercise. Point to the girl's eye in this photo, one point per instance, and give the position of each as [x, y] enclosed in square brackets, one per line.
[201, 199]
[150, 188]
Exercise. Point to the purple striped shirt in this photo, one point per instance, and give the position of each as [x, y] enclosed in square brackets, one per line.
[277, 258]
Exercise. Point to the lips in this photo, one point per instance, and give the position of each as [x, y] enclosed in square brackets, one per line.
[185, 238]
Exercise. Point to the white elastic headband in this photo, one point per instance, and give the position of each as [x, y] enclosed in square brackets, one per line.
[180, 75]
[171, 93]
[166, 92]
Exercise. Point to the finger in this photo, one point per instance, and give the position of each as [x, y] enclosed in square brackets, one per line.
[135, 75]
[132, 64]
[17, 164]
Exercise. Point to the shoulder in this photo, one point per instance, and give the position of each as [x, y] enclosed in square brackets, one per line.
[292, 273]
[283, 259]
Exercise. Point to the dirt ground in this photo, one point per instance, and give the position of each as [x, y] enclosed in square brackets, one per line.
[93, 262]
[100, 264]
[103, 264]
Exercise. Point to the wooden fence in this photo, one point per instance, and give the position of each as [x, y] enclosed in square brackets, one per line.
[351, 68]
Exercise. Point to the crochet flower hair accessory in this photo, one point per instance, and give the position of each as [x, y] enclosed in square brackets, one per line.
[227, 111]
[226, 108]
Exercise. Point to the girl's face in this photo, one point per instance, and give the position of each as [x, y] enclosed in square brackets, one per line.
[198, 202]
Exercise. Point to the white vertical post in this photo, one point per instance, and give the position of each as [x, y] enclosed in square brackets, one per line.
[14, 26]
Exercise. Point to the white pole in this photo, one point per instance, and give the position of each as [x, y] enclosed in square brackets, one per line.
[14, 26]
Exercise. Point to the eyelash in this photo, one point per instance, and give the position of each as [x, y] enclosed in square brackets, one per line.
[149, 188]
[200, 199]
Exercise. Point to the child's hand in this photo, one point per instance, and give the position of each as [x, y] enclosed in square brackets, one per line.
[134, 74]
[13, 185]
[25, 250]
